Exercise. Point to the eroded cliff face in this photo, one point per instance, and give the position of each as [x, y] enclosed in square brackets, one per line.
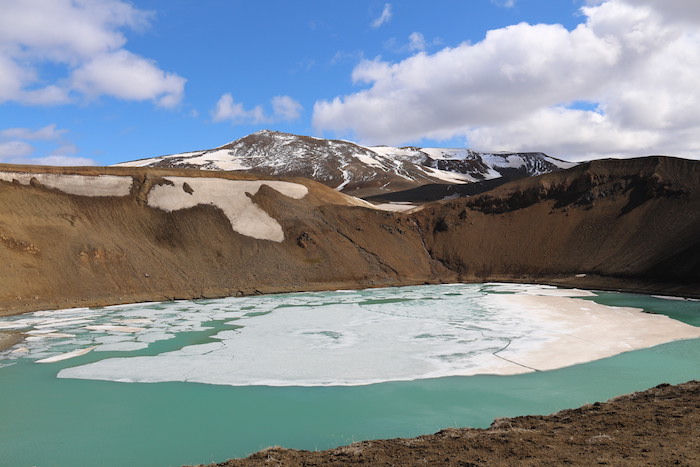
[632, 223]
[117, 235]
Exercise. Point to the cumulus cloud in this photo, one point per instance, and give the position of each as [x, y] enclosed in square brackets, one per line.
[676, 10]
[636, 61]
[384, 17]
[284, 108]
[77, 37]
[227, 109]
[21, 145]
[127, 76]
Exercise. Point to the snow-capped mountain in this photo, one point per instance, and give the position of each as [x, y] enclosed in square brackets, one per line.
[356, 169]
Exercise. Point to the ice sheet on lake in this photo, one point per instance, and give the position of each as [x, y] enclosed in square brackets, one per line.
[352, 337]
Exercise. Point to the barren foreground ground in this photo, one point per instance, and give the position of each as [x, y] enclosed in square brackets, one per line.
[660, 426]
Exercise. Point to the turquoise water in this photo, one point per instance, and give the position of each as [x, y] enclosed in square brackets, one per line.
[50, 421]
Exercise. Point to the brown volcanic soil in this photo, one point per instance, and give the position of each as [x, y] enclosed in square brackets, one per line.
[624, 224]
[627, 224]
[660, 426]
[59, 250]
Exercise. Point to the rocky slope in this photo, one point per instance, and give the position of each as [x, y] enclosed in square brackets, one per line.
[635, 222]
[355, 169]
[91, 236]
[654, 427]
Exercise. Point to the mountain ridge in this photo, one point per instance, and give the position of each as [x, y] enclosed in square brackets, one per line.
[356, 169]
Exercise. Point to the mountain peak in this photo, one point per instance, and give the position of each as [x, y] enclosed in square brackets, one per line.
[355, 169]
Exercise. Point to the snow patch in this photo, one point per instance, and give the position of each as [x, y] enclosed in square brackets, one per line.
[395, 207]
[231, 197]
[347, 176]
[221, 159]
[152, 160]
[81, 185]
[450, 177]
[367, 160]
[66, 356]
[446, 153]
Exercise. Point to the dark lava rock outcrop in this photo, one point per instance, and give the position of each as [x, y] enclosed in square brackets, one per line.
[621, 223]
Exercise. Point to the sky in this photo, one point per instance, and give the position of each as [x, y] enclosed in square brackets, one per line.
[96, 82]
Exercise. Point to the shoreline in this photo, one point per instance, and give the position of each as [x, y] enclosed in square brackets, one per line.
[651, 427]
[8, 339]
[572, 281]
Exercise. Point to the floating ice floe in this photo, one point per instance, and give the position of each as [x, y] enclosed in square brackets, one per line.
[66, 356]
[399, 334]
[113, 328]
[351, 337]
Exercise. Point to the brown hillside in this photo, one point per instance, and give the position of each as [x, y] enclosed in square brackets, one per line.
[630, 224]
[63, 250]
[623, 223]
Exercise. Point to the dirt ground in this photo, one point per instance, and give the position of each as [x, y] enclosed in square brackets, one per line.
[8, 339]
[659, 426]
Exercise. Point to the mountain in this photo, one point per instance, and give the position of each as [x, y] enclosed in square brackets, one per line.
[355, 169]
[104, 235]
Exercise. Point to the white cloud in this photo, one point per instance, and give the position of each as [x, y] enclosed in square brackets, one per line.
[127, 76]
[15, 147]
[284, 108]
[504, 3]
[75, 36]
[12, 149]
[47, 133]
[416, 41]
[59, 160]
[384, 17]
[675, 10]
[514, 89]
[227, 109]
[578, 134]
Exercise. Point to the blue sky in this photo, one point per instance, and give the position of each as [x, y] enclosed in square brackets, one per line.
[104, 81]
